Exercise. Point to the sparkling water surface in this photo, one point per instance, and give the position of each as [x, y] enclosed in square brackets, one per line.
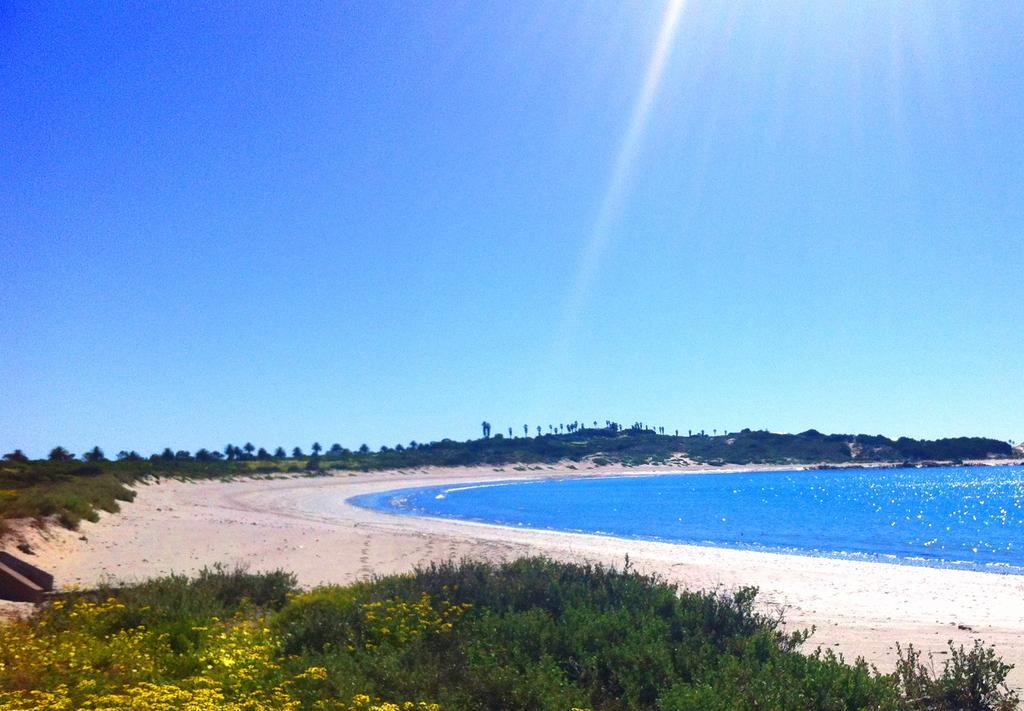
[962, 517]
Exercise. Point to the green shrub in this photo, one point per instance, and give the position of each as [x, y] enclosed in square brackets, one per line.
[323, 619]
[538, 634]
[971, 680]
[530, 634]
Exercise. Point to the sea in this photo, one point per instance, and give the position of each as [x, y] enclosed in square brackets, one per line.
[949, 517]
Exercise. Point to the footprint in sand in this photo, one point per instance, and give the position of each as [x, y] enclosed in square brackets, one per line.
[365, 570]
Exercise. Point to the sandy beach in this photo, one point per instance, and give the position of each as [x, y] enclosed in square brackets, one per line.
[305, 526]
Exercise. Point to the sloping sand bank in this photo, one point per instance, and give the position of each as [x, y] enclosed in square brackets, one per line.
[305, 526]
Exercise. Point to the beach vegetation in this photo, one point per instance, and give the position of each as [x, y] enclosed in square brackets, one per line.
[531, 634]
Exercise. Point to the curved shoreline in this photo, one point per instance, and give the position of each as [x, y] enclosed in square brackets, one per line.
[306, 525]
[380, 502]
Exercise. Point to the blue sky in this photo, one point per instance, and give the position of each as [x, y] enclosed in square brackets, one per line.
[371, 222]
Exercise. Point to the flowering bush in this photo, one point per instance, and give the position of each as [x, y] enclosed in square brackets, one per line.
[530, 635]
[72, 656]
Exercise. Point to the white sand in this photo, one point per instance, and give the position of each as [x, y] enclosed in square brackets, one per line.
[305, 526]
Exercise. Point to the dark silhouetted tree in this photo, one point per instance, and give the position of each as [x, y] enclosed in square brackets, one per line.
[297, 452]
[249, 448]
[203, 455]
[167, 454]
[364, 449]
[279, 453]
[262, 454]
[94, 455]
[336, 449]
[182, 454]
[526, 431]
[59, 454]
[316, 449]
[16, 456]
[487, 428]
[229, 451]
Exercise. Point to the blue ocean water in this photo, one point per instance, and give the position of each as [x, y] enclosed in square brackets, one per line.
[962, 517]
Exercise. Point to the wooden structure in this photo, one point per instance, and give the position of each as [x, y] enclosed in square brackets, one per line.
[21, 581]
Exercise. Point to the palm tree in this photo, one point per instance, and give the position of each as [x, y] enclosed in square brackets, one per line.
[317, 448]
[229, 451]
[249, 448]
[297, 452]
[538, 430]
[279, 453]
[487, 428]
[526, 431]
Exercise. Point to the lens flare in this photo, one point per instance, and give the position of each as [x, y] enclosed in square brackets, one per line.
[623, 170]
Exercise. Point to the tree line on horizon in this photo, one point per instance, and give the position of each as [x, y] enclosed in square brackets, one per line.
[907, 448]
[577, 426]
[249, 451]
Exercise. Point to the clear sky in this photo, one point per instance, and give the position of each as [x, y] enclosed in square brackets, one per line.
[374, 222]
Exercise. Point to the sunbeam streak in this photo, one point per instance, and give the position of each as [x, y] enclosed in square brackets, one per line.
[622, 173]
